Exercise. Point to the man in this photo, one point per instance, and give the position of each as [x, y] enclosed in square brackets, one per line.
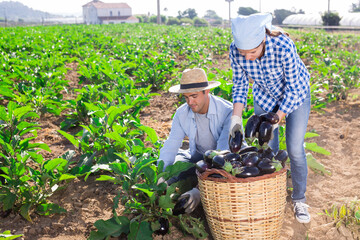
[204, 119]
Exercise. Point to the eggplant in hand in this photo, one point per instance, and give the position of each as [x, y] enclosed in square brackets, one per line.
[270, 117]
[265, 132]
[252, 126]
[179, 206]
[235, 142]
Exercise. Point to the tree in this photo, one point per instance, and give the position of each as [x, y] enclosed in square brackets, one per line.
[212, 17]
[280, 15]
[246, 11]
[331, 19]
[211, 14]
[173, 21]
[153, 19]
[355, 7]
[200, 22]
[188, 13]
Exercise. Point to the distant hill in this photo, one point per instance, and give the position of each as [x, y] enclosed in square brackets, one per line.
[16, 11]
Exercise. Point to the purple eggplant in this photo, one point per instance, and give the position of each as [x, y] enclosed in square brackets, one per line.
[248, 149]
[179, 206]
[282, 156]
[208, 156]
[218, 161]
[248, 172]
[232, 157]
[265, 132]
[235, 142]
[201, 166]
[164, 227]
[252, 126]
[250, 160]
[270, 117]
[265, 166]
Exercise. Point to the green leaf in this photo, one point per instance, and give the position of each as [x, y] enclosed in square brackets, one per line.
[315, 148]
[42, 146]
[357, 215]
[119, 168]
[9, 201]
[69, 137]
[144, 188]
[193, 226]
[175, 169]
[140, 231]
[113, 227]
[106, 178]
[165, 202]
[21, 111]
[151, 133]
[315, 165]
[50, 165]
[6, 235]
[114, 112]
[6, 92]
[310, 135]
[115, 136]
[49, 208]
[66, 176]
[25, 211]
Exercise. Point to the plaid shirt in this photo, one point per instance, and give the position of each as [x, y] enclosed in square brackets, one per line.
[280, 77]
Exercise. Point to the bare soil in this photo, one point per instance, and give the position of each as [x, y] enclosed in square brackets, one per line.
[87, 202]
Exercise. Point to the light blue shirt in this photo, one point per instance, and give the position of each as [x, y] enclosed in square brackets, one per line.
[184, 124]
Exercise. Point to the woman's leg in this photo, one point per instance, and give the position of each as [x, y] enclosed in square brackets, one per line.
[296, 124]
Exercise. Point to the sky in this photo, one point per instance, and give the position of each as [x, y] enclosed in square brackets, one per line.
[221, 7]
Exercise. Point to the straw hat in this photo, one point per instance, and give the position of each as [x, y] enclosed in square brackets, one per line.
[193, 80]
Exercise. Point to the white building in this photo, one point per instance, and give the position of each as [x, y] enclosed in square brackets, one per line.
[98, 12]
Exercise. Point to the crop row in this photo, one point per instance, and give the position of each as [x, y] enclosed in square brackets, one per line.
[120, 67]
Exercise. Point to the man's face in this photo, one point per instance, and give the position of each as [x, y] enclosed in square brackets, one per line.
[198, 101]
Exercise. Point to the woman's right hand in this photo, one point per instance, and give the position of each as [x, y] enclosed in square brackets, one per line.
[236, 125]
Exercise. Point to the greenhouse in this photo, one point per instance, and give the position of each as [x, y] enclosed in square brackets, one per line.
[349, 19]
[303, 19]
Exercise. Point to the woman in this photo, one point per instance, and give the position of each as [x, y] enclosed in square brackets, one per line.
[280, 84]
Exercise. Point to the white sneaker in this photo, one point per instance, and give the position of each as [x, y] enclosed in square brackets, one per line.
[301, 212]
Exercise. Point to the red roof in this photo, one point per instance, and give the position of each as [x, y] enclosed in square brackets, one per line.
[118, 18]
[100, 4]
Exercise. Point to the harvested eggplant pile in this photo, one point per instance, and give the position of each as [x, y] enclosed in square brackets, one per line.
[260, 127]
[247, 162]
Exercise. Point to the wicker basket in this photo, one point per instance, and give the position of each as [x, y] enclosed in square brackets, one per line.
[244, 208]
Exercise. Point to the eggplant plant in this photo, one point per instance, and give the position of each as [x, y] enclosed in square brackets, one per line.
[148, 203]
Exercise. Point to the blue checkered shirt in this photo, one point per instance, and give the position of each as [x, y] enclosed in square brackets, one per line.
[280, 77]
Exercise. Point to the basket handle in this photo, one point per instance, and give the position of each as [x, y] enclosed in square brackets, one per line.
[223, 173]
